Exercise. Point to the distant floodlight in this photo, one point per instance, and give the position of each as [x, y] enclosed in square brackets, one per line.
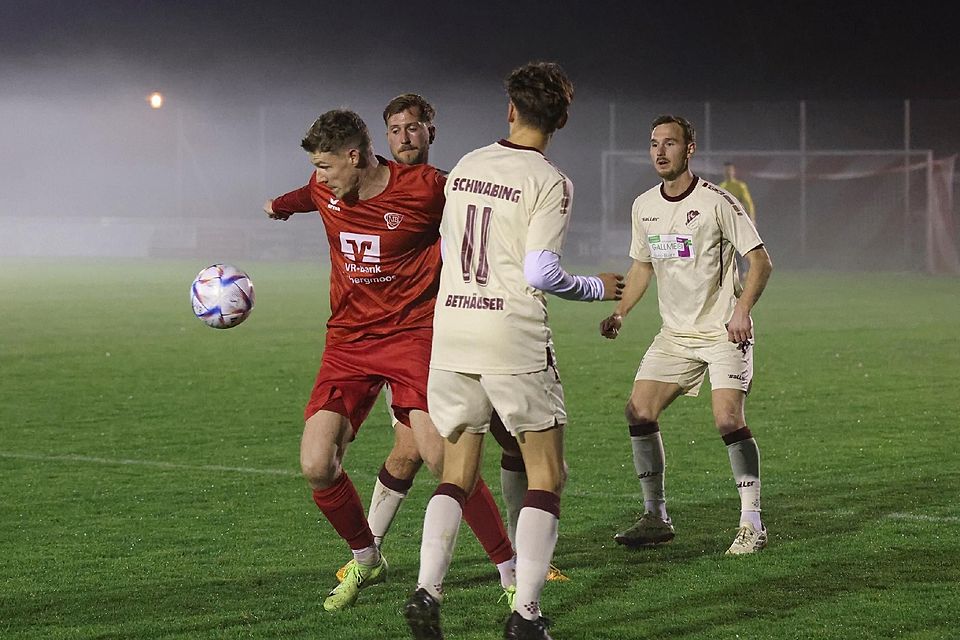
[155, 99]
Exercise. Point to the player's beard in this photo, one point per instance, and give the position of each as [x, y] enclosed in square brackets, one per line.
[410, 155]
[673, 171]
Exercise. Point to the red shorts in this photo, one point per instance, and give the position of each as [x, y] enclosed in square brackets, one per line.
[352, 374]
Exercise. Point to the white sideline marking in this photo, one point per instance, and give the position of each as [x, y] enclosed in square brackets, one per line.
[918, 517]
[214, 467]
[147, 463]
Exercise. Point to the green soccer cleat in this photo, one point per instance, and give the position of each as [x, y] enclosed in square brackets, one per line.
[342, 571]
[650, 530]
[748, 540]
[358, 577]
[510, 595]
[555, 575]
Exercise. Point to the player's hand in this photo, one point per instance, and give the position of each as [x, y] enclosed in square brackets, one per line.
[268, 209]
[740, 327]
[610, 326]
[612, 285]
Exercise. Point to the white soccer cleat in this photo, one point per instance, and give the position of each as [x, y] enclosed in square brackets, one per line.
[748, 540]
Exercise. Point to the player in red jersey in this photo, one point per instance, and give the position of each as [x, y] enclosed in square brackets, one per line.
[410, 131]
[382, 224]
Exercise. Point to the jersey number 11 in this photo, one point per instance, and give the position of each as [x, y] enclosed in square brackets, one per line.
[467, 246]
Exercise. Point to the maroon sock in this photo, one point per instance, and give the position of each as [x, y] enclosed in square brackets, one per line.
[340, 503]
[482, 514]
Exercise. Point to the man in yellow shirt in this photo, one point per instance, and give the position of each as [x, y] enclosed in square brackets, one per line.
[738, 189]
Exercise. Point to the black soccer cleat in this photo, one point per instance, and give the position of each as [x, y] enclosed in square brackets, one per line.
[422, 612]
[519, 628]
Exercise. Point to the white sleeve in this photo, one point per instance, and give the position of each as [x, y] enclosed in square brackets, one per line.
[543, 271]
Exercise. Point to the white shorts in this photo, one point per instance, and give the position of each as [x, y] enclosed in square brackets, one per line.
[461, 402]
[671, 359]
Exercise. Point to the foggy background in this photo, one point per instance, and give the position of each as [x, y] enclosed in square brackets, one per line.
[87, 168]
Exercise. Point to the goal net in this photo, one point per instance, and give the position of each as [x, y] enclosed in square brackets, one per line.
[852, 210]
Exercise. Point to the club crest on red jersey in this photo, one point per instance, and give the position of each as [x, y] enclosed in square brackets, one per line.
[393, 220]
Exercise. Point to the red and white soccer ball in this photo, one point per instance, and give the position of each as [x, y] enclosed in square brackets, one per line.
[222, 296]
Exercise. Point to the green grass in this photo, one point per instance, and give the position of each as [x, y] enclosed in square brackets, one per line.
[133, 506]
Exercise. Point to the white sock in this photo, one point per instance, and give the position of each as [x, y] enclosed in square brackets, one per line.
[384, 505]
[745, 464]
[648, 461]
[440, 527]
[508, 572]
[513, 485]
[536, 539]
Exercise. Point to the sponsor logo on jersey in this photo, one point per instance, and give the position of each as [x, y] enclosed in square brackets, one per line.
[649, 219]
[492, 189]
[360, 247]
[333, 204]
[474, 302]
[666, 246]
[691, 216]
[393, 220]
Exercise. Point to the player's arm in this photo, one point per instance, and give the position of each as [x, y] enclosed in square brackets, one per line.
[635, 285]
[543, 271]
[298, 201]
[740, 327]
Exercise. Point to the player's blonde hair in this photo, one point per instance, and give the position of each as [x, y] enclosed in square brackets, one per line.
[408, 101]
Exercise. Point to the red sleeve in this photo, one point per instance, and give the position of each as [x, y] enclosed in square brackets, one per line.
[298, 201]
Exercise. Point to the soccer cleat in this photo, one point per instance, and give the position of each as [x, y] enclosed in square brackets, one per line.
[555, 575]
[748, 540]
[650, 530]
[510, 595]
[342, 571]
[519, 628]
[358, 577]
[422, 612]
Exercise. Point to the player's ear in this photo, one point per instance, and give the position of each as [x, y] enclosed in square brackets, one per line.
[511, 112]
[354, 156]
[432, 130]
[562, 122]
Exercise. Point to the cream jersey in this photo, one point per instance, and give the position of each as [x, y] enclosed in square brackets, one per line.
[691, 240]
[503, 201]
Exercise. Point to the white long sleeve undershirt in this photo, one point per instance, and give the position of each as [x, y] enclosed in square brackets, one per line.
[543, 271]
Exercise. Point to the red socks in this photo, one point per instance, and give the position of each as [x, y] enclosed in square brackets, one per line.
[340, 503]
[483, 515]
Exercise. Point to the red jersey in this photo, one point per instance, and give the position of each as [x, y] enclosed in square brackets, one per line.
[384, 251]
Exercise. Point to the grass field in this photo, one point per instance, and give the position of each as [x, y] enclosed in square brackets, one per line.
[150, 488]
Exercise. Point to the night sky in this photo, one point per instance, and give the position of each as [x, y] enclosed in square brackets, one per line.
[694, 50]
[244, 79]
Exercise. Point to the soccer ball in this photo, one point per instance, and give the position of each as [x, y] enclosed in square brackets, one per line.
[222, 296]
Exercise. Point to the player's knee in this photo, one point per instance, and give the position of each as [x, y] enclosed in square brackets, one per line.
[637, 413]
[321, 474]
[727, 422]
[552, 479]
